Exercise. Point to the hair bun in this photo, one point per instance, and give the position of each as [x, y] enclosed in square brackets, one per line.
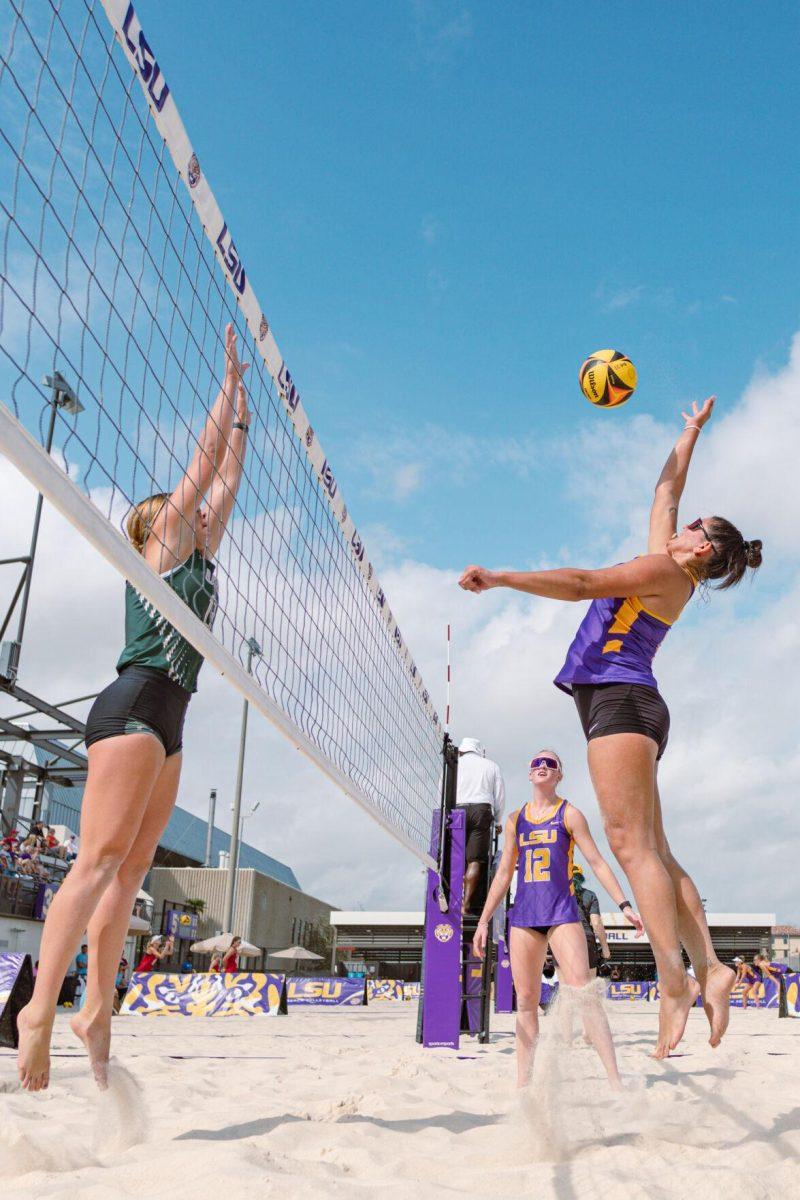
[752, 552]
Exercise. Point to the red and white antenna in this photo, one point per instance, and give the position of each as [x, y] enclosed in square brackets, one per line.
[447, 709]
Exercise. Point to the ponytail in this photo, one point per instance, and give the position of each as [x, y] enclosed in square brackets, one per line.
[732, 554]
[142, 517]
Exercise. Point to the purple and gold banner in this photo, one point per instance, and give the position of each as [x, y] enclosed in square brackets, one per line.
[385, 989]
[326, 990]
[637, 990]
[412, 990]
[234, 994]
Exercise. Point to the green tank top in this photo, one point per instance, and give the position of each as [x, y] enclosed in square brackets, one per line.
[150, 640]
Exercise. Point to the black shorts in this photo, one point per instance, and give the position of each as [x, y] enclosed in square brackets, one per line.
[606, 708]
[478, 824]
[140, 700]
[595, 957]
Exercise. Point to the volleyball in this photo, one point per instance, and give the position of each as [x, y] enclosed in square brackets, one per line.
[607, 378]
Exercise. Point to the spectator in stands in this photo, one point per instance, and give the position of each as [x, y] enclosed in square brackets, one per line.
[216, 962]
[6, 861]
[10, 841]
[156, 949]
[481, 792]
[230, 961]
[52, 844]
[71, 848]
[37, 831]
[82, 963]
[616, 974]
[120, 984]
[187, 967]
[28, 859]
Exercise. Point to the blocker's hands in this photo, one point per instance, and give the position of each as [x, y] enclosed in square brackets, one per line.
[476, 579]
[699, 416]
[479, 941]
[634, 919]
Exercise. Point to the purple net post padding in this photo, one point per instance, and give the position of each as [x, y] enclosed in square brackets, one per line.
[473, 984]
[441, 996]
[504, 983]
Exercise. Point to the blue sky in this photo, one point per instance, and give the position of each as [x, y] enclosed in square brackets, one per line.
[445, 207]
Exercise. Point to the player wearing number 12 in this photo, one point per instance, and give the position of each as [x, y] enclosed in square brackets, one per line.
[539, 841]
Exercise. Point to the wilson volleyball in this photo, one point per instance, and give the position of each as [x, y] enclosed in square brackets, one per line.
[607, 378]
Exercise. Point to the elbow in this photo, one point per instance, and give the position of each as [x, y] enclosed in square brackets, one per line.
[581, 586]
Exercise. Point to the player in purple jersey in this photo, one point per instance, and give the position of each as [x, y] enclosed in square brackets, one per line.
[608, 670]
[539, 842]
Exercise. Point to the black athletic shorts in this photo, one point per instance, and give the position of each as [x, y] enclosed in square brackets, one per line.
[595, 957]
[622, 708]
[140, 700]
[479, 822]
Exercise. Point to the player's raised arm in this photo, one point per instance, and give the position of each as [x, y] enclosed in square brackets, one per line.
[672, 480]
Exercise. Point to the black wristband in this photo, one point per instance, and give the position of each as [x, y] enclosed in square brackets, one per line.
[241, 425]
[625, 904]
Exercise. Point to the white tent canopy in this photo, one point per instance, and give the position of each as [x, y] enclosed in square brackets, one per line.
[222, 942]
[296, 953]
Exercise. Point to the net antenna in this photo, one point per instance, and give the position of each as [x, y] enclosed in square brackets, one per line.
[119, 272]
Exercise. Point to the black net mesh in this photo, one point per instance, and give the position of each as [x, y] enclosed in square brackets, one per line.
[109, 278]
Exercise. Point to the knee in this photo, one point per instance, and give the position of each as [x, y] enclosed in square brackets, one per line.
[101, 861]
[473, 870]
[134, 868]
[527, 1002]
[625, 843]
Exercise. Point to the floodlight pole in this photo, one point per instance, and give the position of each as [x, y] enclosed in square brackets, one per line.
[253, 649]
[61, 396]
[212, 805]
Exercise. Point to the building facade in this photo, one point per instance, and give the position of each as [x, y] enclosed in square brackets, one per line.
[785, 946]
[389, 944]
[267, 912]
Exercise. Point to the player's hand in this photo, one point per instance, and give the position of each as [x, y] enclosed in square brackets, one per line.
[476, 579]
[606, 952]
[480, 939]
[699, 416]
[232, 364]
[634, 919]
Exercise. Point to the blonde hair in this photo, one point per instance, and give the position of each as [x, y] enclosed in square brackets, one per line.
[142, 517]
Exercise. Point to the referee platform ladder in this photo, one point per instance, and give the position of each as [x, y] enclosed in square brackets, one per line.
[456, 985]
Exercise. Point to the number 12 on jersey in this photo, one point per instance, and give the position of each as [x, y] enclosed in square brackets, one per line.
[537, 865]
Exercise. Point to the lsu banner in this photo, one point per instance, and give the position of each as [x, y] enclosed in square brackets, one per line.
[638, 990]
[326, 990]
[235, 994]
[384, 989]
[16, 989]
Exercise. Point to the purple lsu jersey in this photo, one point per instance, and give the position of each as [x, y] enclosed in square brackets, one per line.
[545, 893]
[616, 642]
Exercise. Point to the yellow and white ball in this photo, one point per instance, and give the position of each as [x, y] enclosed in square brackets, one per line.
[607, 378]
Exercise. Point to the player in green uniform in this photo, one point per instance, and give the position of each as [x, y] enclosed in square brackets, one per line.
[134, 736]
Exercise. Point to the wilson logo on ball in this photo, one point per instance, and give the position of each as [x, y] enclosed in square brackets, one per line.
[607, 378]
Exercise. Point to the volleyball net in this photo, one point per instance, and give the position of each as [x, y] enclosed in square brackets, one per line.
[119, 276]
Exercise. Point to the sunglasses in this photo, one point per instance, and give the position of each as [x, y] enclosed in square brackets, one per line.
[698, 524]
[544, 761]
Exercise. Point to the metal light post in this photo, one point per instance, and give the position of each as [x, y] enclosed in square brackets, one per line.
[61, 397]
[253, 649]
[244, 817]
[212, 805]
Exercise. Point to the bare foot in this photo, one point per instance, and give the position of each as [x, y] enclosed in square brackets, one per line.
[95, 1033]
[33, 1056]
[716, 1000]
[673, 1013]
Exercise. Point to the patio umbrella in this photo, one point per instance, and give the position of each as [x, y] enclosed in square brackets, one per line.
[295, 953]
[222, 942]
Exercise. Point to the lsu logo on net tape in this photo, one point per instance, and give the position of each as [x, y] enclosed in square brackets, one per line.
[443, 932]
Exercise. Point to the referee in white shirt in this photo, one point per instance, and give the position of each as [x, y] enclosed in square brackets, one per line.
[482, 793]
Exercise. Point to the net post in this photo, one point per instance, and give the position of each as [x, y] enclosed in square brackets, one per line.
[440, 1003]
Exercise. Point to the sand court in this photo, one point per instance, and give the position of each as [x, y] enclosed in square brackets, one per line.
[341, 1102]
